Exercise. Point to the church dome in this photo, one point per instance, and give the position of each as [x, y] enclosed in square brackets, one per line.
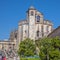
[32, 8]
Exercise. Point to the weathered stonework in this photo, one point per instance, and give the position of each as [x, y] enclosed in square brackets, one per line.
[30, 27]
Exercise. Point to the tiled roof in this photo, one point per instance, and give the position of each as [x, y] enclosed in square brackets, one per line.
[54, 31]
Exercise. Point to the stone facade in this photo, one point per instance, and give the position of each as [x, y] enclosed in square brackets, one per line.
[9, 47]
[34, 27]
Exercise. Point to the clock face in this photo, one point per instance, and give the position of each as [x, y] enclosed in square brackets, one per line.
[38, 18]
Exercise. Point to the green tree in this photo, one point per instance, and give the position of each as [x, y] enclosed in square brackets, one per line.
[27, 48]
[49, 48]
[55, 53]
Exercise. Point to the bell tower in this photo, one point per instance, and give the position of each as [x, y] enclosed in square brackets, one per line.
[31, 21]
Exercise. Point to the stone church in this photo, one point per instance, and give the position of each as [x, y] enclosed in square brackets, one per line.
[34, 27]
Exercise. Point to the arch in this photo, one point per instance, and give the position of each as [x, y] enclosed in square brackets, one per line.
[32, 13]
[38, 18]
[38, 33]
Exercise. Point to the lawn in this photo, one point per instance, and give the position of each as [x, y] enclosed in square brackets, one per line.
[30, 59]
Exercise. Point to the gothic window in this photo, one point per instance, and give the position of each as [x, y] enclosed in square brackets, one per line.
[38, 18]
[37, 33]
[25, 31]
[32, 13]
[25, 34]
[16, 35]
[47, 29]
[42, 31]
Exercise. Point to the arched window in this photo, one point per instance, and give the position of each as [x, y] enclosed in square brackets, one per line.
[42, 30]
[38, 18]
[47, 29]
[25, 31]
[16, 35]
[32, 13]
[37, 33]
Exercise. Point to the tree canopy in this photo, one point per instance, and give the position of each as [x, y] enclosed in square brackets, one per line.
[27, 48]
[49, 48]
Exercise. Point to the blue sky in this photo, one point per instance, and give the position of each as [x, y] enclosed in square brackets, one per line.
[12, 11]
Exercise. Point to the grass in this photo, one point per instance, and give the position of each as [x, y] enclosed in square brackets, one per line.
[30, 59]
